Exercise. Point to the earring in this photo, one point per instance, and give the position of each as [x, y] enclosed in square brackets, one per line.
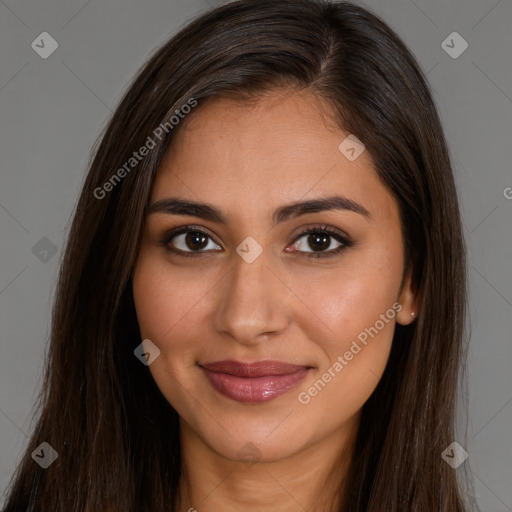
[413, 313]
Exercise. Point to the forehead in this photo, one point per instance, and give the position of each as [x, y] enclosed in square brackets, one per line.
[283, 147]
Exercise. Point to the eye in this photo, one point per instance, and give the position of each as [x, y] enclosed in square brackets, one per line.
[320, 241]
[189, 241]
[316, 242]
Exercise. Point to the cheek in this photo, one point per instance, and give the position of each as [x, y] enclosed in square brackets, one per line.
[357, 306]
[344, 302]
[164, 301]
[168, 311]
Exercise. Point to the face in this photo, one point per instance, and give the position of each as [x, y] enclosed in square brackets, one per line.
[272, 307]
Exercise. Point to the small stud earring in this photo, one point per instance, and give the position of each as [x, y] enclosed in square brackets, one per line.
[412, 314]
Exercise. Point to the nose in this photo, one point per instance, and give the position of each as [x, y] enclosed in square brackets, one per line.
[252, 301]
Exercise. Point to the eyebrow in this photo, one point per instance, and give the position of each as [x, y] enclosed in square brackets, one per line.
[179, 206]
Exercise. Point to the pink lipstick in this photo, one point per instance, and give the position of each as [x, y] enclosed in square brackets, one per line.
[253, 382]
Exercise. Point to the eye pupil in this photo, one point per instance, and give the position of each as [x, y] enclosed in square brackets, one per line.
[319, 241]
[196, 240]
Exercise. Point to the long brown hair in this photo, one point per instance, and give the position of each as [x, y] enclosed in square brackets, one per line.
[100, 409]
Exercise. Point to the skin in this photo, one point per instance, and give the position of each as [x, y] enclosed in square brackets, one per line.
[247, 160]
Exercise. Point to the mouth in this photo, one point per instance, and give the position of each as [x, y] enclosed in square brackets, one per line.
[253, 382]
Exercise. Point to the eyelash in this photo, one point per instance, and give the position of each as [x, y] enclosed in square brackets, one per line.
[319, 229]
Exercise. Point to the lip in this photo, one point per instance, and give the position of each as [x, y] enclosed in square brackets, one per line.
[260, 381]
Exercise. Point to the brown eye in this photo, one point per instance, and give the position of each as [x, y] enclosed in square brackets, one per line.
[187, 241]
[316, 242]
[320, 242]
[195, 240]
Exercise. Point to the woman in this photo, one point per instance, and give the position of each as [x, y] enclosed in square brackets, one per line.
[262, 300]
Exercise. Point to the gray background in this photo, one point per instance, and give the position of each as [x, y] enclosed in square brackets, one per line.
[52, 110]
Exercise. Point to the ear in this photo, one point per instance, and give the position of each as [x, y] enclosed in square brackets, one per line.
[408, 299]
